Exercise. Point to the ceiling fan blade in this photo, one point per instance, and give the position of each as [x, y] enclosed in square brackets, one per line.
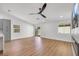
[33, 13]
[43, 15]
[43, 7]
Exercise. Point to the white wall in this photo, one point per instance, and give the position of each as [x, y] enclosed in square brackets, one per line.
[27, 30]
[50, 30]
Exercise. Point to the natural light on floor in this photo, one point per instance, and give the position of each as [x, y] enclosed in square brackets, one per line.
[38, 42]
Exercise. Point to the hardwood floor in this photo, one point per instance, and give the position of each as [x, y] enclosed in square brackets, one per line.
[37, 46]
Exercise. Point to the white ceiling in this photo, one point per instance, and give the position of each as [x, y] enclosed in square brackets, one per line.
[53, 11]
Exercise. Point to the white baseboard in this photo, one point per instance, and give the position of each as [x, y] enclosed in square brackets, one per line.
[57, 39]
[22, 38]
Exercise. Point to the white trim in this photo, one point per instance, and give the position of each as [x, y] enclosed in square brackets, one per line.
[56, 39]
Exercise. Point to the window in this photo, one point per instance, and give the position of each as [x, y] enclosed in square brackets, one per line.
[16, 28]
[64, 28]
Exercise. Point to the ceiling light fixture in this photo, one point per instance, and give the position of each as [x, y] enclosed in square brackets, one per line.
[61, 16]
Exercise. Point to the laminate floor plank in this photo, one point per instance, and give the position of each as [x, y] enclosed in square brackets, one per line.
[36, 46]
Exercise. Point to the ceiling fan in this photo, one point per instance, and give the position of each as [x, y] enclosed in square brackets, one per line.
[41, 10]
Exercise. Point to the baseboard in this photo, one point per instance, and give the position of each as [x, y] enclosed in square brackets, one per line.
[57, 40]
[21, 38]
[41, 37]
[7, 40]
